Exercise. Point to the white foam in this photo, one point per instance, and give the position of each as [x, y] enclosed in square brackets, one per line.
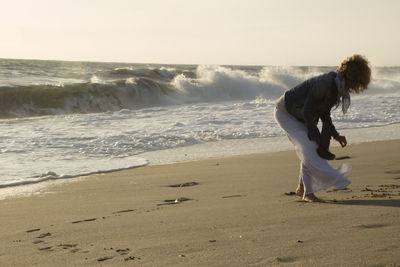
[234, 147]
[216, 83]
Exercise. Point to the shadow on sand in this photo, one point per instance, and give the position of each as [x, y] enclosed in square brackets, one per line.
[369, 202]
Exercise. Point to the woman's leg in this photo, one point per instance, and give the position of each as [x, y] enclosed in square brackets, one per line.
[300, 188]
[283, 121]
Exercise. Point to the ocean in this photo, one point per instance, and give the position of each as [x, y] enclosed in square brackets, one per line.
[62, 119]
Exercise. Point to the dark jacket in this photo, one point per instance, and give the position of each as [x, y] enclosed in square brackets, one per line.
[313, 100]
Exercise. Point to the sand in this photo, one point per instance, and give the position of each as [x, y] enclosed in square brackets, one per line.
[229, 211]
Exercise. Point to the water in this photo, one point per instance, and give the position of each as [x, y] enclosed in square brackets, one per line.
[65, 119]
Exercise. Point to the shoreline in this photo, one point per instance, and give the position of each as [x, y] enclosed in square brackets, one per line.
[208, 150]
[236, 147]
[229, 211]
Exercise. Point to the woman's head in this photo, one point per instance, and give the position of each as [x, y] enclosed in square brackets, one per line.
[356, 72]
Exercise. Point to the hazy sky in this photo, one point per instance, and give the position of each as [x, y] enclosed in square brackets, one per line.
[255, 32]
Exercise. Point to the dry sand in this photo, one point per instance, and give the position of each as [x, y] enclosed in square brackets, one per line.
[236, 214]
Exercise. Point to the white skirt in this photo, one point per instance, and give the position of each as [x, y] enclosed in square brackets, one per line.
[315, 172]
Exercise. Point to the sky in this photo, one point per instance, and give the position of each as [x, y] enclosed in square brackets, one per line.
[226, 32]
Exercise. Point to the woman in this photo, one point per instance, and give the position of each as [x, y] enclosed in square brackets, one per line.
[298, 111]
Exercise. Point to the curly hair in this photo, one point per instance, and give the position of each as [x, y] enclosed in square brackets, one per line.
[356, 72]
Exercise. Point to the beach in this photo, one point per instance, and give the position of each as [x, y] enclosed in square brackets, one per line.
[136, 133]
[223, 211]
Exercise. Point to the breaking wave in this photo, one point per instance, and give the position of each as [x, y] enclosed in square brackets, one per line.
[135, 88]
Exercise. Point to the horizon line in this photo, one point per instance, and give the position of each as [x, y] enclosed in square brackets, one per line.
[187, 64]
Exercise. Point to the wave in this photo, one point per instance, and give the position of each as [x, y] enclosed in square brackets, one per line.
[154, 88]
[136, 162]
[135, 88]
[163, 73]
[37, 100]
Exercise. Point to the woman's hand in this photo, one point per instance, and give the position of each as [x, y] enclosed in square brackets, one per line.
[341, 139]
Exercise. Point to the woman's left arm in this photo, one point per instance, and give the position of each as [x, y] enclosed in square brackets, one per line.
[327, 120]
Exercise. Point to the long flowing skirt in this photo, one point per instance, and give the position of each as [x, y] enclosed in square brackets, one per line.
[315, 172]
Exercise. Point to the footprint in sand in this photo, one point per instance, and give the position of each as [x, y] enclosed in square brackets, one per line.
[390, 186]
[87, 220]
[105, 258]
[278, 261]
[174, 201]
[123, 251]
[67, 246]
[122, 211]
[45, 249]
[33, 230]
[285, 259]
[184, 184]
[120, 252]
[370, 226]
[130, 258]
[44, 235]
[383, 191]
[231, 196]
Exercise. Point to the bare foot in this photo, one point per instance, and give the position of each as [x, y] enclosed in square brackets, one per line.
[300, 190]
[311, 198]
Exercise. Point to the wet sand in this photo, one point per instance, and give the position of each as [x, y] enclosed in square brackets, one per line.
[233, 211]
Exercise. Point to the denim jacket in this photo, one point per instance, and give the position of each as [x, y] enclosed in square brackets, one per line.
[313, 100]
